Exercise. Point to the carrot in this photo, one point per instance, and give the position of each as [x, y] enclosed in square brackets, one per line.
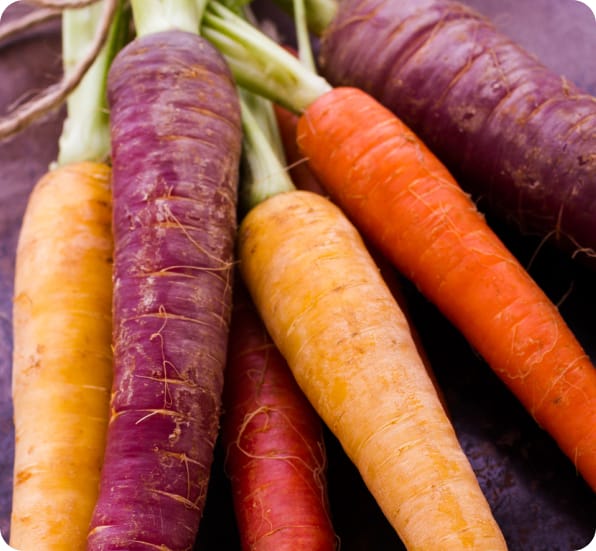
[304, 178]
[438, 239]
[176, 141]
[408, 205]
[350, 349]
[517, 136]
[62, 359]
[275, 451]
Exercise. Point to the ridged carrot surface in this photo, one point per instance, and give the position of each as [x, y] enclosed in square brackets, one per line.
[274, 446]
[176, 138]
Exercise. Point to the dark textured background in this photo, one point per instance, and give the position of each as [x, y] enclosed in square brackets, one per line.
[537, 498]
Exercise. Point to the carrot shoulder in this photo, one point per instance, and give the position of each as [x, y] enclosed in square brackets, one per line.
[406, 202]
[62, 356]
[349, 346]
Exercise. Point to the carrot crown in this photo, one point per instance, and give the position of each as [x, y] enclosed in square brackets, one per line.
[263, 161]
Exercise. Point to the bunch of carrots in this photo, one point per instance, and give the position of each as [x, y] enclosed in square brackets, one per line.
[199, 287]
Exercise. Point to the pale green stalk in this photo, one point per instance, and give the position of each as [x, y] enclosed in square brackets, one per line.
[264, 170]
[85, 134]
[319, 13]
[153, 16]
[302, 35]
[258, 63]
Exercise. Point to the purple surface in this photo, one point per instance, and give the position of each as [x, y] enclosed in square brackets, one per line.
[175, 126]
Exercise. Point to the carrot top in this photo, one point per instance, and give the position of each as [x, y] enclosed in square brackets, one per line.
[258, 63]
[319, 13]
[264, 172]
[86, 133]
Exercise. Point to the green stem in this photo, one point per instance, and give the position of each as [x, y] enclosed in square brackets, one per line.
[85, 134]
[302, 35]
[264, 171]
[153, 16]
[258, 63]
[319, 13]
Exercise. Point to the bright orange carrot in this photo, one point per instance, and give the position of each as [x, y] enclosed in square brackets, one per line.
[406, 202]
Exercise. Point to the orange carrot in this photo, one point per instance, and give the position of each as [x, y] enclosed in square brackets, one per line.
[304, 178]
[406, 202]
[62, 330]
[62, 365]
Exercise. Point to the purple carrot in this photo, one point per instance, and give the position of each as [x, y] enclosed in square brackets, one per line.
[176, 142]
[519, 138]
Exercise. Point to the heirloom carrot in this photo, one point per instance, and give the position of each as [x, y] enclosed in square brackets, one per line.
[274, 446]
[407, 203]
[411, 209]
[176, 142]
[518, 136]
[62, 359]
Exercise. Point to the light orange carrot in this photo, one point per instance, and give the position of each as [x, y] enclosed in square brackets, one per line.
[62, 356]
[350, 348]
[409, 206]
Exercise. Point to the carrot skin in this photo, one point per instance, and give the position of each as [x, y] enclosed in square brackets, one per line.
[409, 206]
[62, 359]
[349, 346]
[275, 450]
[176, 139]
[518, 137]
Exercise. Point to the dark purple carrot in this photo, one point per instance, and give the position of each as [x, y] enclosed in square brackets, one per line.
[176, 142]
[520, 138]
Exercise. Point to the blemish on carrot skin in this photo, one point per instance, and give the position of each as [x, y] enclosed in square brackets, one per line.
[23, 476]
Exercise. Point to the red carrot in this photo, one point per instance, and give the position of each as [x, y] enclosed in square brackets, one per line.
[297, 162]
[275, 452]
[176, 137]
